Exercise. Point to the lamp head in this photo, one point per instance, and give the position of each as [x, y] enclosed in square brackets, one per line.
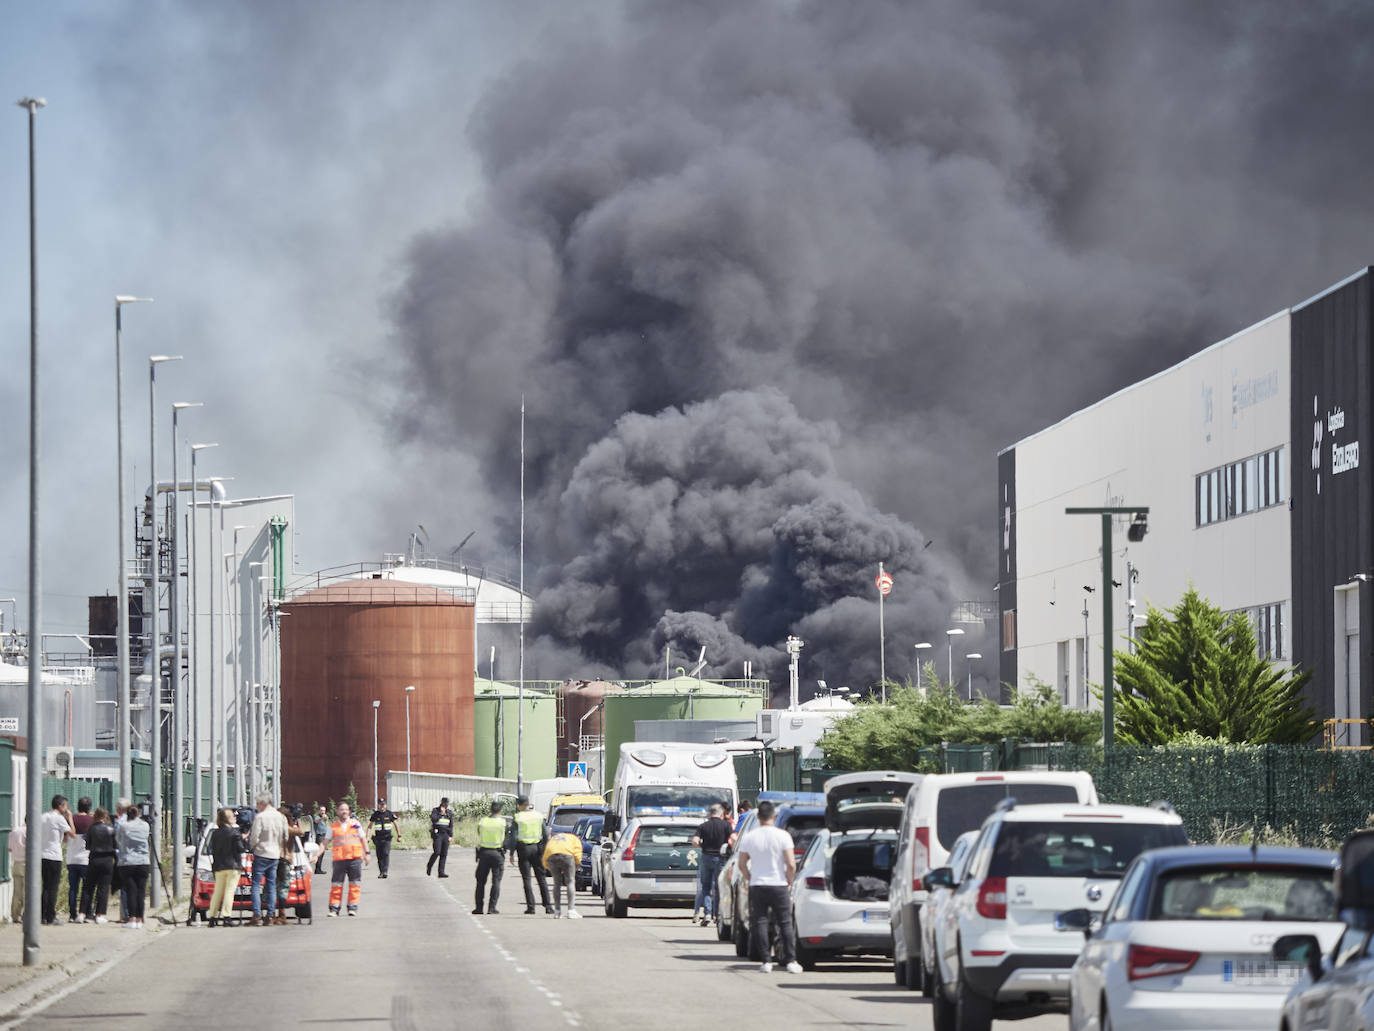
[409, 688]
[954, 632]
[973, 655]
[202, 447]
[376, 703]
[158, 359]
[179, 405]
[126, 299]
[32, 103]
[925, 644]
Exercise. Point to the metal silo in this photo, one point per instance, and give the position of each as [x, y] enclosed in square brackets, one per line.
[681, 698]
[349, 644]
[496, 730]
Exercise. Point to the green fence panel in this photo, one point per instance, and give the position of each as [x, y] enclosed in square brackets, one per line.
[959, 758]
[1317, 796]
[783, 766]
[749, 775]
[814, 780]
[6, 804]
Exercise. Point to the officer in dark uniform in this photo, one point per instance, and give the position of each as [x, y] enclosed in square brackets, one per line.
[383, 823]
[440, 834]
[495, 837]
[531, 835]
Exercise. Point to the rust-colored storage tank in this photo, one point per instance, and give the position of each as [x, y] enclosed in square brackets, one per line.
[348, 644]
[578, 698]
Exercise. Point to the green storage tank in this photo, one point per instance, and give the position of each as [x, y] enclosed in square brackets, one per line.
[681, 698]
[496, 708]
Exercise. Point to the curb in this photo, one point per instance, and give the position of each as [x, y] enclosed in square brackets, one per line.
[64, 976]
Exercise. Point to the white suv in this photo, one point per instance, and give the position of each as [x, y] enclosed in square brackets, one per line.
[998, 953]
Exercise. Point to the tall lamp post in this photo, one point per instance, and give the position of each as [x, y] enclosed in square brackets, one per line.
[950, 635]
[409, 689]
[255, 714]
[154, 644]
[235, 614]
[197, 800]
[122, 621]
[33, 780]
[376, 705]
[178, 696]
[1135, 533]
[968, 660]
[919, 649]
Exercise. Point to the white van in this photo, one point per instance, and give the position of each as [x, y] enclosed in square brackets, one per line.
[543, 792]
[939, 809]
[669, 778]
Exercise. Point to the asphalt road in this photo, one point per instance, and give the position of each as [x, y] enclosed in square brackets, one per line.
[416, 958]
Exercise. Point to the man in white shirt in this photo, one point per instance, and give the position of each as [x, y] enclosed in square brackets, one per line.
[267, 838]
[768, 864]
[56, 828]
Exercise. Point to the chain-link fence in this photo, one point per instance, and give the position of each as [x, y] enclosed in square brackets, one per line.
[1316, 797]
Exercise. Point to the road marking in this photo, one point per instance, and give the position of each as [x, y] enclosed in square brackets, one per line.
[553, 998]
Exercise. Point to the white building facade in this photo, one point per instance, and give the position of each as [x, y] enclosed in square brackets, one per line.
[1254, 500]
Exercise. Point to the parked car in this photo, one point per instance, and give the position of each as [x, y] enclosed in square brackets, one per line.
[938, 810]
[937, 898]
[802, 815]
[1336, 987]
[840, 894]
[588, 830]
[1186, 940]
[203, 876]
[998, 953]
[652, 863]
[566, 810]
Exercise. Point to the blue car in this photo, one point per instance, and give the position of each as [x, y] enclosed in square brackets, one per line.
[588, 829]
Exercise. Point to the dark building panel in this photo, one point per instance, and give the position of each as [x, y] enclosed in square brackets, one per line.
[1330, 482]
[1006, 571]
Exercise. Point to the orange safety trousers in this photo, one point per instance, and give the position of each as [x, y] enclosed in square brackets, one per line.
[352, 871]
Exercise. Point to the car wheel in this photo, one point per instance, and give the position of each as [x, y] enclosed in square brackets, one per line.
[927, 977]
[1104, 1022]
[722, 929]
[619, 910]
[738, 932]
[606, 903]
[941, 1009]
[806, 957]
[972, 1011]
[915, 974]
[899, 972]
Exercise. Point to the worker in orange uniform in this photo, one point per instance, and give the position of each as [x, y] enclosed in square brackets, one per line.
[348, 854]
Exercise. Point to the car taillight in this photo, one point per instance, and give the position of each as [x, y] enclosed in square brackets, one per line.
[817, 883]
[992, 898]
[1149, 961]
[920, 857]
[629, 852]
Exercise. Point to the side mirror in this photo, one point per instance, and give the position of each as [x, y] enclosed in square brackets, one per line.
[612, 824]
[1300, 948]
[940, 877]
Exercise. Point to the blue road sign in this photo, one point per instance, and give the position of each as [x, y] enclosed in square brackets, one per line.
[577, 769]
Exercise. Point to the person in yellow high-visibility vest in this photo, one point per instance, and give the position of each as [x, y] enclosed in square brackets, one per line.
[495, 835]
[561, 856]
[530, 838]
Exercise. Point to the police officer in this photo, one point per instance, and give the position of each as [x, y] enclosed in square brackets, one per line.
[440, 834]
[495, 836]
[530, 839]
[383, 822]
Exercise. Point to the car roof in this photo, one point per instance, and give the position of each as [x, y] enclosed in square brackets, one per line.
[790, 809]
[945, 780]
[666, 821]
[1181, 856]
[1049, 812]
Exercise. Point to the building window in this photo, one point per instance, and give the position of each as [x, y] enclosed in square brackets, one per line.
[1237, 489]
[1009, 630]
[1271, 625]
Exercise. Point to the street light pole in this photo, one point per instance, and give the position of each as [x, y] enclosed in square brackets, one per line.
[154, 645]
[1138, 519]
[968, 660]
[198, 796]
[122, 621]
[920, 648]
[33, 780]
[376, 705]
[235, 615]
[178, 697]
[252, 674]
[409, 688]
[950, 635]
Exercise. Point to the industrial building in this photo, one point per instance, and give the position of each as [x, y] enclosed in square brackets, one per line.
[1247, 455]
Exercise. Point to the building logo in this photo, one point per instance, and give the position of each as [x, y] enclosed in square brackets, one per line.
[1316, 443]
[1343, 457]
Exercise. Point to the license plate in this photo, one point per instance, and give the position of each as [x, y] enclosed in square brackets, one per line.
[1259, 973]
[873, 916]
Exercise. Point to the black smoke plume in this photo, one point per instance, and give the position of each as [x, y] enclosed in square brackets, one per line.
[778, 279]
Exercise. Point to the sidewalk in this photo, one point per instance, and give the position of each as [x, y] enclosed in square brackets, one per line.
[66, 953]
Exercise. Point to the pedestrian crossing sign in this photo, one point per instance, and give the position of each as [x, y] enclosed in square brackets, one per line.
[577, 769]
